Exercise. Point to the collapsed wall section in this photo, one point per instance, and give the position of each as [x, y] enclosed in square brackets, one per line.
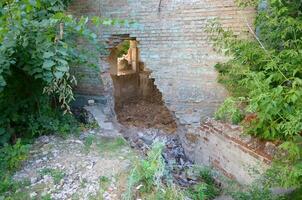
[174, 46]
[137, 100]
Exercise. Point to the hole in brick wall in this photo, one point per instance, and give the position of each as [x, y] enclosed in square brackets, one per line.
[138, 102]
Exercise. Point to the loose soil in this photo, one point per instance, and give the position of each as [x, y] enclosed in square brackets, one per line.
[146, 113]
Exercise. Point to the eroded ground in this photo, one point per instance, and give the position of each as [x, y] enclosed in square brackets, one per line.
[146, 113]
[97, 164]
[88, 168]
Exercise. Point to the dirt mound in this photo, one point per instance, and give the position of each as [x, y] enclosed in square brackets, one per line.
[146, 113]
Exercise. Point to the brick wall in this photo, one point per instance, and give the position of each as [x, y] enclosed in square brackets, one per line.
[174, 46]
[89, 79]
[224, 147]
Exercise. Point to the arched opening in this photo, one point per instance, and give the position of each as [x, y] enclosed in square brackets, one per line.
[138, 102]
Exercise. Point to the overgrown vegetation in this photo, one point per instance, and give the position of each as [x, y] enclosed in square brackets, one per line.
[255, 193]
[265, 79]
[38, 46]
[150, 179]
[56, 174]
[37, 50]
[107, 145]
[229, 111]
[11, 158]
[207, 189]
[111, 145]
[123, 48]
[148, 173]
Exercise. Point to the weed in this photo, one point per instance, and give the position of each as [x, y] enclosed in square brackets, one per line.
[89, 126]
[202, 191]
[229, 111]
[88, 142]
[170, 192]
[146, 180]
[104, 182]
[104, 179]
[111, 145]
[254, 193]
[13, 190]
[147, 173]
[206, 188]
[206, 175]
[11, 158]
[56, 174]
[83, 183]
[297, 194]
[197, 192]
[46, 197]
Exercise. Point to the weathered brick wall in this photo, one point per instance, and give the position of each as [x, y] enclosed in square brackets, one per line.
[174, 46]
[89, 79]
[224, 147]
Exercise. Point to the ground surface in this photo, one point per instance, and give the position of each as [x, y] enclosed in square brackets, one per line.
[73, 168]
[147, 114]
[95, 164]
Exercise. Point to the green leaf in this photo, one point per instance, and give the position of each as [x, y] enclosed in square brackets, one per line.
[58, 74]
[62, 68]
[62, 61]
[2, 81]
[62, 51]
[48, 54]
[48, 64]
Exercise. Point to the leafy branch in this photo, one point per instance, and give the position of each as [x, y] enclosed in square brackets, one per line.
[266, 71]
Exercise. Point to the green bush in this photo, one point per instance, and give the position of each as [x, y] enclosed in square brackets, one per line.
[266, 68]
[269, 72]
[28, 114]
[11, 159]
[12, 156]
[37, 49]
[206, 188]
[255, 193]
[229, 110]
[56, 174]
[146, 178]
[148, 172]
